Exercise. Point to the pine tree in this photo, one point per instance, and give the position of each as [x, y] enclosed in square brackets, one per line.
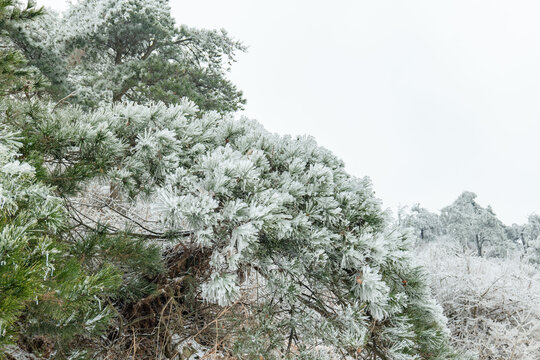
[41, 284]
[279, 226]
[42, 289]
[82, 270]
[16, 77]
[474, 226]
[24, 255]
[292, 255]
[427, 225]
[530, 239]
[103, 51]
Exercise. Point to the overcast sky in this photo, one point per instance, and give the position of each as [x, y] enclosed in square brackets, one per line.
[427, 98]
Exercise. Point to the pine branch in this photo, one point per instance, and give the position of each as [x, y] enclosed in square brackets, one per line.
[73, 93]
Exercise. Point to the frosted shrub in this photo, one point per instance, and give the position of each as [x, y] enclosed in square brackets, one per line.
[299, 244]
[492, 305]
[284, 209]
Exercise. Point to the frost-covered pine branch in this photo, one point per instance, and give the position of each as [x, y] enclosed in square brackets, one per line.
[333, 277]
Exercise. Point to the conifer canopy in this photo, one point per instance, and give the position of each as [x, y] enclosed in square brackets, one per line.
[131, 187]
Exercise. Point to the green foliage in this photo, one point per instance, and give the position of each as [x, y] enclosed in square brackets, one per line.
[74, 306]
[135, 259]
[64, 151]
[10, 11]
[89, 193]
[104, 51]
[331, 272]
[44, 291]
[86, 270]
[15, 76]
[27, 216]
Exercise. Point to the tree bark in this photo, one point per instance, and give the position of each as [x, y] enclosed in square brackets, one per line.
[478, 245]
[118, 96]
[149, 50]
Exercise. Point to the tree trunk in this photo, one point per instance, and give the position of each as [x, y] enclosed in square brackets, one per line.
[522, 237]
[478, 245]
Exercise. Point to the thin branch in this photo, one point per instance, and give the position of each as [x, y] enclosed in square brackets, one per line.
[150, 49]
[132, 220]
[182, 41]
[114, 230]
[118, 96]
[64, 99]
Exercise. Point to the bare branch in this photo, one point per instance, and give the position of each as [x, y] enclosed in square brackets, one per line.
[64, 99]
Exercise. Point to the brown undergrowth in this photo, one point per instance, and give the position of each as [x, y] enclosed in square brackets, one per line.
[172, 323]
[153, 327]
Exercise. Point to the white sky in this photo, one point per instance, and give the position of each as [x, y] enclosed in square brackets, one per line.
[428, 98]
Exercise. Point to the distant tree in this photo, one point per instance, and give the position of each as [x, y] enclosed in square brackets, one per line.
[104, 51]
[515, 234]
[473, 225]
[426, 224]
[529, 235]
[527, 238]
[531, 230]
